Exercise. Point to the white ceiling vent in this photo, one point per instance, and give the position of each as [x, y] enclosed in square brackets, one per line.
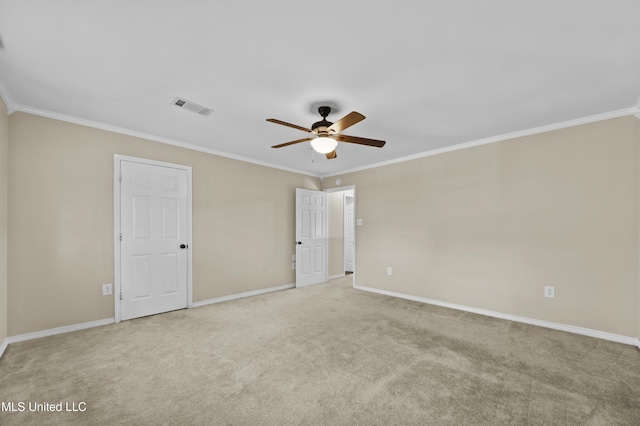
[192, 106]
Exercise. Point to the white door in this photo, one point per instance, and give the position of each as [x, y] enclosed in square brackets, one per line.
[154, 239]
[349, 235]
[311, 237]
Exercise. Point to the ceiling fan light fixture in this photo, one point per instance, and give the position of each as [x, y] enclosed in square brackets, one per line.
[328, 134]
[324, 145]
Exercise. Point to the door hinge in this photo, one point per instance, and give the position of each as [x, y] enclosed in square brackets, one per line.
[121, 236]
[120, 295]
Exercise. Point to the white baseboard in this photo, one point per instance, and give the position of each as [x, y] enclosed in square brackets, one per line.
[547, 324]
[241, 295]
[107, 321]
[3, 346]
[59, 330]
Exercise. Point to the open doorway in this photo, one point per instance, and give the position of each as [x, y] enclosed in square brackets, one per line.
[341, 232]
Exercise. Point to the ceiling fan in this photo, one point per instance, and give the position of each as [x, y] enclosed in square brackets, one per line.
[328, 133]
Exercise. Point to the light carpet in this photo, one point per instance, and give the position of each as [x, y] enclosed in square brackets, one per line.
[322, 355]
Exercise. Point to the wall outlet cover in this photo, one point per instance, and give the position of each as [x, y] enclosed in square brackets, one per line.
[107, 289]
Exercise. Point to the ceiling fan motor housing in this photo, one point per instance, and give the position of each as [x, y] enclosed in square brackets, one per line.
[318, 126]
[321, 126]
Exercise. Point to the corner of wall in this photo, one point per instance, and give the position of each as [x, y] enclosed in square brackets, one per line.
[4, 165]
[637, 122]
[3, 347]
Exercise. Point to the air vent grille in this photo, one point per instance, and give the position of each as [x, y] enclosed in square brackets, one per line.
[192, 106]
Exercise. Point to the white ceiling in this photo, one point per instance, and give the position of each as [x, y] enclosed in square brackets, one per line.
[427, 74]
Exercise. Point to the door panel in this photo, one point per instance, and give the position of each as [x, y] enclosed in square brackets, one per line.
[170, 218]
[169, 273]
[153, 224]
[311, 236]
[141, 276]
[141, 212]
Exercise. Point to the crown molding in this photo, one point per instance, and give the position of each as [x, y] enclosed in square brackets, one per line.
[637, 109]
[13, 107]
[7, 99]
[521, 133]
[147, 136]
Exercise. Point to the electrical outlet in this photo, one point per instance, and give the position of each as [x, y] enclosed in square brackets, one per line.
[293, 265]
[549, 291]
[389, 270]
[293, 257]
[107, 289]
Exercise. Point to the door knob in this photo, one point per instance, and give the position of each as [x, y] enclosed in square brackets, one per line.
[184, 246]
[299, 242]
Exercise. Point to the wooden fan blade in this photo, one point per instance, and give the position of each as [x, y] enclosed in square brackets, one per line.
[362, 141]
[346, 121]
[331, 155]
[292, 142]
[284, 123]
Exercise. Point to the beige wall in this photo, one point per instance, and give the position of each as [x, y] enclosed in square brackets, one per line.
[61, 221]
[488, 227]
[4, 151]
[485, 227]
[336, 233]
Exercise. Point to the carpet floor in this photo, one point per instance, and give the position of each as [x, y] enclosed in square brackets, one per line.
[320, 355]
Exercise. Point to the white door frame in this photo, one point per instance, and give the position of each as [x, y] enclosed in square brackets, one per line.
[355, 229]
[117, 158]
